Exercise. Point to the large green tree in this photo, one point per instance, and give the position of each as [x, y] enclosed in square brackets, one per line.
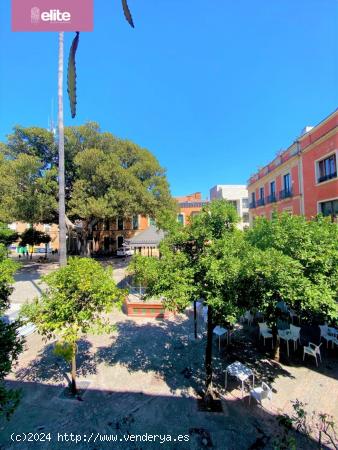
[10, 342]
[104, 177]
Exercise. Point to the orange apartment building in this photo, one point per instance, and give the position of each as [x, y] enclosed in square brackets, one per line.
[189, 206]
[51, 229]
[303, 178]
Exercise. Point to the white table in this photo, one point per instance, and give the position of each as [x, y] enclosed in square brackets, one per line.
[287, 336]
[332, 331]
[241, 372]
[219, 331]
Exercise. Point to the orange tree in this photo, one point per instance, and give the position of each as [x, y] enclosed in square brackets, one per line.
[199, 260]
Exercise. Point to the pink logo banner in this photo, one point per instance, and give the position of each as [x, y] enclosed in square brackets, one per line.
[52, 15]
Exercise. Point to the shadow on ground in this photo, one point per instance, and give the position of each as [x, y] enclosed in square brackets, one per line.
[48, 367]
[122, 415]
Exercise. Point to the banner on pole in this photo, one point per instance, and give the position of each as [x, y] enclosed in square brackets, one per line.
[52, 15]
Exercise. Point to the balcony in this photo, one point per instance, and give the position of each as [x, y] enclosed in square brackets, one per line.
[327, 177]
[285, 193]
[261, 202]
[271, 198]
[252, 205]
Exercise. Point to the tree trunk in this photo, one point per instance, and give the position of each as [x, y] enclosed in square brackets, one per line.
[62, 207]
[208, 355]
[195, 319]
[73, 382]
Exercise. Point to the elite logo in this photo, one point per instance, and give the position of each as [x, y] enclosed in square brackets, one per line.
[52, 15]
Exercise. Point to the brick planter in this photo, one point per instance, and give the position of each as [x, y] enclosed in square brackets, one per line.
[145, 309]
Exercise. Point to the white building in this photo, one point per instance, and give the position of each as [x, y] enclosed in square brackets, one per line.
[236, 194]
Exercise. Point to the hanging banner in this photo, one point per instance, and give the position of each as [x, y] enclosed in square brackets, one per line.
[52, 15]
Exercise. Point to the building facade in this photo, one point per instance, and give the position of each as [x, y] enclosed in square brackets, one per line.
[235, 194]
[189, 206]
[303, 178]
[109, 235]
[51, 229]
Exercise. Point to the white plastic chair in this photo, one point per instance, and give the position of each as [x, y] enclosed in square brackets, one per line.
[295, 335]
[259, 393]
[248, 317]
[324, 333]
[292, 314]
[313, 350]
[265, 332]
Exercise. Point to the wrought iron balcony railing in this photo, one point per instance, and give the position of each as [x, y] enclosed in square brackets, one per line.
[285, 193]
[327, 177]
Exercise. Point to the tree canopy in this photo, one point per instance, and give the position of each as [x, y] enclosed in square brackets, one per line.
[105, 176]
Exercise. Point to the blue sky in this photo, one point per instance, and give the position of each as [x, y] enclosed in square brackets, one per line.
[213, 88]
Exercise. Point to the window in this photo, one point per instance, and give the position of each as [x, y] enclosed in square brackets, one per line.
[246, 217]
[273, 189]
[330, 208]
[253, 200]
[120, 223]
[261, 192]
[135, 222]
[327, 169]
[152, 222]
[47, 228]
[180, 219]
[245, 202]
[287, 183]
[106, 225]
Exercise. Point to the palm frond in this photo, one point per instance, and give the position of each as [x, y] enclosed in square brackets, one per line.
[71, 81]
[127, 13]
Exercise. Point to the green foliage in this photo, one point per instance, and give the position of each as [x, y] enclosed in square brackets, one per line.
[75, 300]
[10, 343]
[33, 237]
[196, 261]
[28, 192]
[319, 427]
[31, 141]
[293, 260]
[7, 236]
[105, 177]
[123, 180]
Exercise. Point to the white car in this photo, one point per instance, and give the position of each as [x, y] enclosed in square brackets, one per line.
[124, 251]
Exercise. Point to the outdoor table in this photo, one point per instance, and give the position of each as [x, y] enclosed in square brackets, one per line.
[241, 372]
[332, 331]
[286, 335]
[219, 331]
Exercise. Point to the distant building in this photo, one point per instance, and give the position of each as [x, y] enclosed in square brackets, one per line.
[109, 235]
[301, 179]
[236, 194]
[189, 205]
[51, 229]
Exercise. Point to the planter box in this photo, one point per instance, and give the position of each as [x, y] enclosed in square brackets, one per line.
[146, 309]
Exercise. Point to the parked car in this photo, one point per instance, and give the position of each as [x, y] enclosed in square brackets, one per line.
[124, 251]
